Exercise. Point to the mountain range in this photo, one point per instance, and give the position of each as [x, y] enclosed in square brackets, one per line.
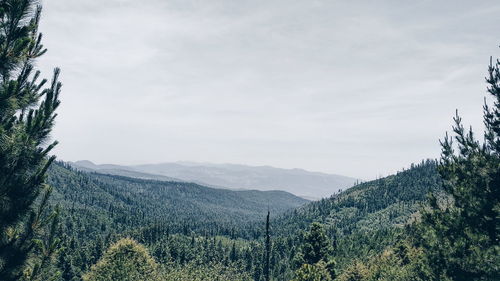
[306, 184]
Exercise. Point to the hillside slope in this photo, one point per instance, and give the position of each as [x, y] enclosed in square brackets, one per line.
[126, 203]
[364, 219]
[168, 216]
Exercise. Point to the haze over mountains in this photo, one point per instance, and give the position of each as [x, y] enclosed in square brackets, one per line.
[311, 185]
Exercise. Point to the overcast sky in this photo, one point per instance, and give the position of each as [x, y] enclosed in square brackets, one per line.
[358, 88]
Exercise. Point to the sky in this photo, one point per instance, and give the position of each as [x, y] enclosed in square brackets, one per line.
[357, 88]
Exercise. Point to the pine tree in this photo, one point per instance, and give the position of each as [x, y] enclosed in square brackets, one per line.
[461, 231]
[317, 246]
[27, 114]
[314, 260]
[233, 256]
[267, 270]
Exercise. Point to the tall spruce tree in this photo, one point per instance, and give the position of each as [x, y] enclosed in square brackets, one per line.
[460, 232]
[267, 261]
[27, 113]
[314, 260]
[317, 246]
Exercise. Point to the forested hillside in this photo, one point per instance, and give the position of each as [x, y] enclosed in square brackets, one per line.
[171, 218]
[124, 203]
[384, 202]
[184, 223]
[191, 230]
[363, 220]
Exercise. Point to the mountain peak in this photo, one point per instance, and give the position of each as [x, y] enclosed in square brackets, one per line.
[85, 163]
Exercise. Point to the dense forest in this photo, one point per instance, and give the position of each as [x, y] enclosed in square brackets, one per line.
[126, 203]
[437, 220]
[182, 224]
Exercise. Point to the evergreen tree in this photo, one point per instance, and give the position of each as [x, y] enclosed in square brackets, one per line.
[234, 254]
[27, 114]
[461, 231]
[267, 260]
[126, 260]
[313, 272]
[314, 260]
[317, 245]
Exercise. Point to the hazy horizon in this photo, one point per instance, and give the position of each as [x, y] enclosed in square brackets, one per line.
[355, 89]
[206, 163]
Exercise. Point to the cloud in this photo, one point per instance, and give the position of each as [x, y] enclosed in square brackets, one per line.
[358, 88]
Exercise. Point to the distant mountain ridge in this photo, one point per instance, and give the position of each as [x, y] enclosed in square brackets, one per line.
[117, 170]
[311, 185]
